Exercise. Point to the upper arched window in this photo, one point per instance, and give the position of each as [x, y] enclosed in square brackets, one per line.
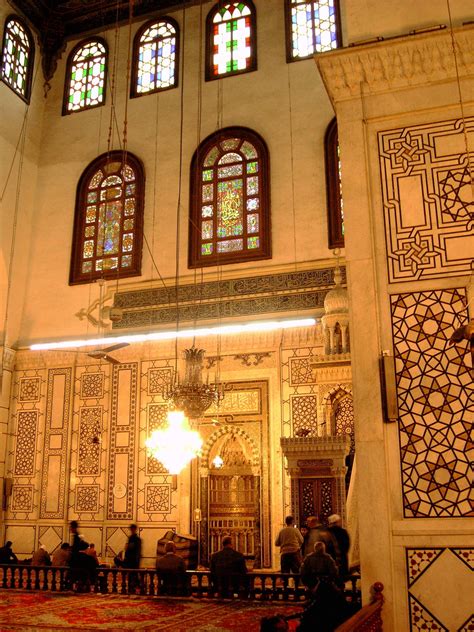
[18, 52]
[155, 57]
[335, 206]
[86, 72]
[230, 201]
[312, 27]
[231, 40]
[108, 224]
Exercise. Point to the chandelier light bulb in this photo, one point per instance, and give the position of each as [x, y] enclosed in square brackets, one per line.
[218, 461]
[176, 444]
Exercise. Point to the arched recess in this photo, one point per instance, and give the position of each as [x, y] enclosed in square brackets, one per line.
[222, 433]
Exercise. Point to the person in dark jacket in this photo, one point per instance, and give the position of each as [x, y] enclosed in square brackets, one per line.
[131, 559]
[316, 565]
[341, 536]
[171, 571]
[6, 554]
[228, 568]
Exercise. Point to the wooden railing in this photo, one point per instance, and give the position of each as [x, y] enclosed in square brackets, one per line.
[369, 618]
[259, 585]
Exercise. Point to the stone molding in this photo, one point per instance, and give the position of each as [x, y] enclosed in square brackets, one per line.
[397, 63]
[7, 356]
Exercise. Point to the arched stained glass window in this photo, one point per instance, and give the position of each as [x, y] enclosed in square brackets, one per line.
[86, 76]
[108, 225]
[230, 202]
[231, 39]
[335, 203]
[155, 57]
[17, 57]
[312, 27]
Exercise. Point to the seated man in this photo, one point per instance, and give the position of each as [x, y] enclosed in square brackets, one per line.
[62, 555]
[171, 572]
[228, 569]
[41, 557]
[318, 565]
[6, 554]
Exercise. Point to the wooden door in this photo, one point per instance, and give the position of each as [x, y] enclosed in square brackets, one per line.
[317, 497]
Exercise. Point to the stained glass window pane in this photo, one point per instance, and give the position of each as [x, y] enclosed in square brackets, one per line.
[16, 57]
[228, 199]
[109, 238]
[87, 77]
[313, 27]
[231, 39]
[230, 208]
[156, 64]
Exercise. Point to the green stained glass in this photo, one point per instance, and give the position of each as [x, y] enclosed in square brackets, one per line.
[252, 167]
[91, 197]
[207, 174]
[206, 230]
[207, 211]
[230, 245]
[229, 208]
[231, 40]
[90, 214]
[211, 157]
[231, 170]
[127, 243]
[252, 185]
[206, 249]
[252, 242]
[129, 206]
[252, 223]
[248, 150]
[87, 78]
[207, 192]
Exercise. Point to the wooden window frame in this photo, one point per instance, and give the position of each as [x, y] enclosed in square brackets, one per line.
[209, 75]
[135, 51]
[76, 276]
[289, 34]
[195, 258]
[335, 235]
[67, 81]
[31, 62]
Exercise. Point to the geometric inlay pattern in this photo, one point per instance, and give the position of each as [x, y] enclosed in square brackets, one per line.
[87, 498]
[326, 503]
[304, 413]
[26, 443]
[465, 555]
[422, 619]
[301, 371]
[157, 380]
[157, 499]
[468, 626]
[436, 404]
[344, 419]
[90, 422]
[157, 415]
[92, 385]
[427, 200]
[22, 498]
[29, 389]
[418, 560]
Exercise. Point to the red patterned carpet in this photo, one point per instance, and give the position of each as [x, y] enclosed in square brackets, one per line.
[49, 612]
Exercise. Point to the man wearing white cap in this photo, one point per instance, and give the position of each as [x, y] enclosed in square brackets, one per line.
[343, 542]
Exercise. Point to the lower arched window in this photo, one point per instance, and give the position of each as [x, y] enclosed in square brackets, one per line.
[108, 225]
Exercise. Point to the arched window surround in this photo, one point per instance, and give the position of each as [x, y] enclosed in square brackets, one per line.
[135, 56]
[67, 81]
[210, 75]
[196, 258]
[31, 61]
[289, 30]
[333, 187]
[77, 276]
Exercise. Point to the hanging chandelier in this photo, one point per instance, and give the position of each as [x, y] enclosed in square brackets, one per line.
[176, 444]
[192, 395]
